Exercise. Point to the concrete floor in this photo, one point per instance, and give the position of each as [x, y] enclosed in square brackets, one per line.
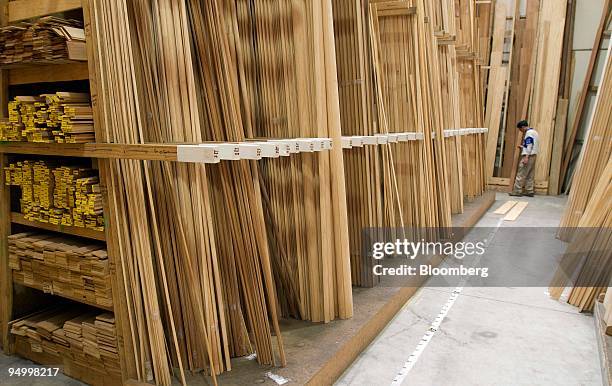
[490, 336]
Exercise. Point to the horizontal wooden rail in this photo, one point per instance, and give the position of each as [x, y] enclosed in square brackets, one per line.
[28, 9]
[211, 152]
[18, 218]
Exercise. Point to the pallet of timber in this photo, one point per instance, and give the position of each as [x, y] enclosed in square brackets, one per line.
[48, 40]
[62, 266]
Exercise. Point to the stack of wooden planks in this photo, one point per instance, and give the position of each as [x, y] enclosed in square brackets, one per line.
[58, 194]
[75, 334]
[46, 40]
[62, 266]
[63, 117]
[587, 219]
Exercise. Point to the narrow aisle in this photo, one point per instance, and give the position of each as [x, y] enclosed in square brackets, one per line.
[490, 336]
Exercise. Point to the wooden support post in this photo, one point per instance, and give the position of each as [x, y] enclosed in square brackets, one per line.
[6, 279]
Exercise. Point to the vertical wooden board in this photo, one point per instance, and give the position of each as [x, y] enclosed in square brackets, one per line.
[558, 141]
[497, 53]
[544, 104]
[496, 92]
[6, 279]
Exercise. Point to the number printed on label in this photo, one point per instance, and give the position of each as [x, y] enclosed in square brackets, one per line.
[33, 371]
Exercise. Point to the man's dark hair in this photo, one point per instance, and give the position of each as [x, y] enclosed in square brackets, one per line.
[522, 124]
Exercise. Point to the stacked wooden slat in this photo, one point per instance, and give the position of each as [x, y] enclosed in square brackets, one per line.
[66, 195]
[78, 335]
[46, 40]
[60, 117]
[70, 117]
[587, 219]
[62, 266]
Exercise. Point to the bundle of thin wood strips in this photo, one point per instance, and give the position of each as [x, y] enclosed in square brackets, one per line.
[43, 41]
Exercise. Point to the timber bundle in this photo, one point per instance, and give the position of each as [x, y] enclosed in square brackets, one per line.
[63, 266]
[62, 117]
[82, 336]
[58, 194]
[47, 40]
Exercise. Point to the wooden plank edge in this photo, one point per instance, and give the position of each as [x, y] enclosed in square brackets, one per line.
[39, 288]
[49, 73]
[347, 354]
[18, 218]
[28, 9]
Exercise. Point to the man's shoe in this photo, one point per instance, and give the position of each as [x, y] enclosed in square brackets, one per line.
[515, 194]
[529, 194]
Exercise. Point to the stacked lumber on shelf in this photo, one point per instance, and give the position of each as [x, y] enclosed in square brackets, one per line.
[73, 334]
[43, 41]
[587, 219]
[60, 195]
[63, 117]
[62, 266]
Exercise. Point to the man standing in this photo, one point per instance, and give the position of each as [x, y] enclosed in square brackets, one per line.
[526, 172]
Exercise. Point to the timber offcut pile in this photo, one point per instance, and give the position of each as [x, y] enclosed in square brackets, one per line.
[76, 335]
[62, 266]
[47, 40]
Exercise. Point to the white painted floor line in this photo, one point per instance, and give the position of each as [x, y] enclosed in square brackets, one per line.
[435, 325]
